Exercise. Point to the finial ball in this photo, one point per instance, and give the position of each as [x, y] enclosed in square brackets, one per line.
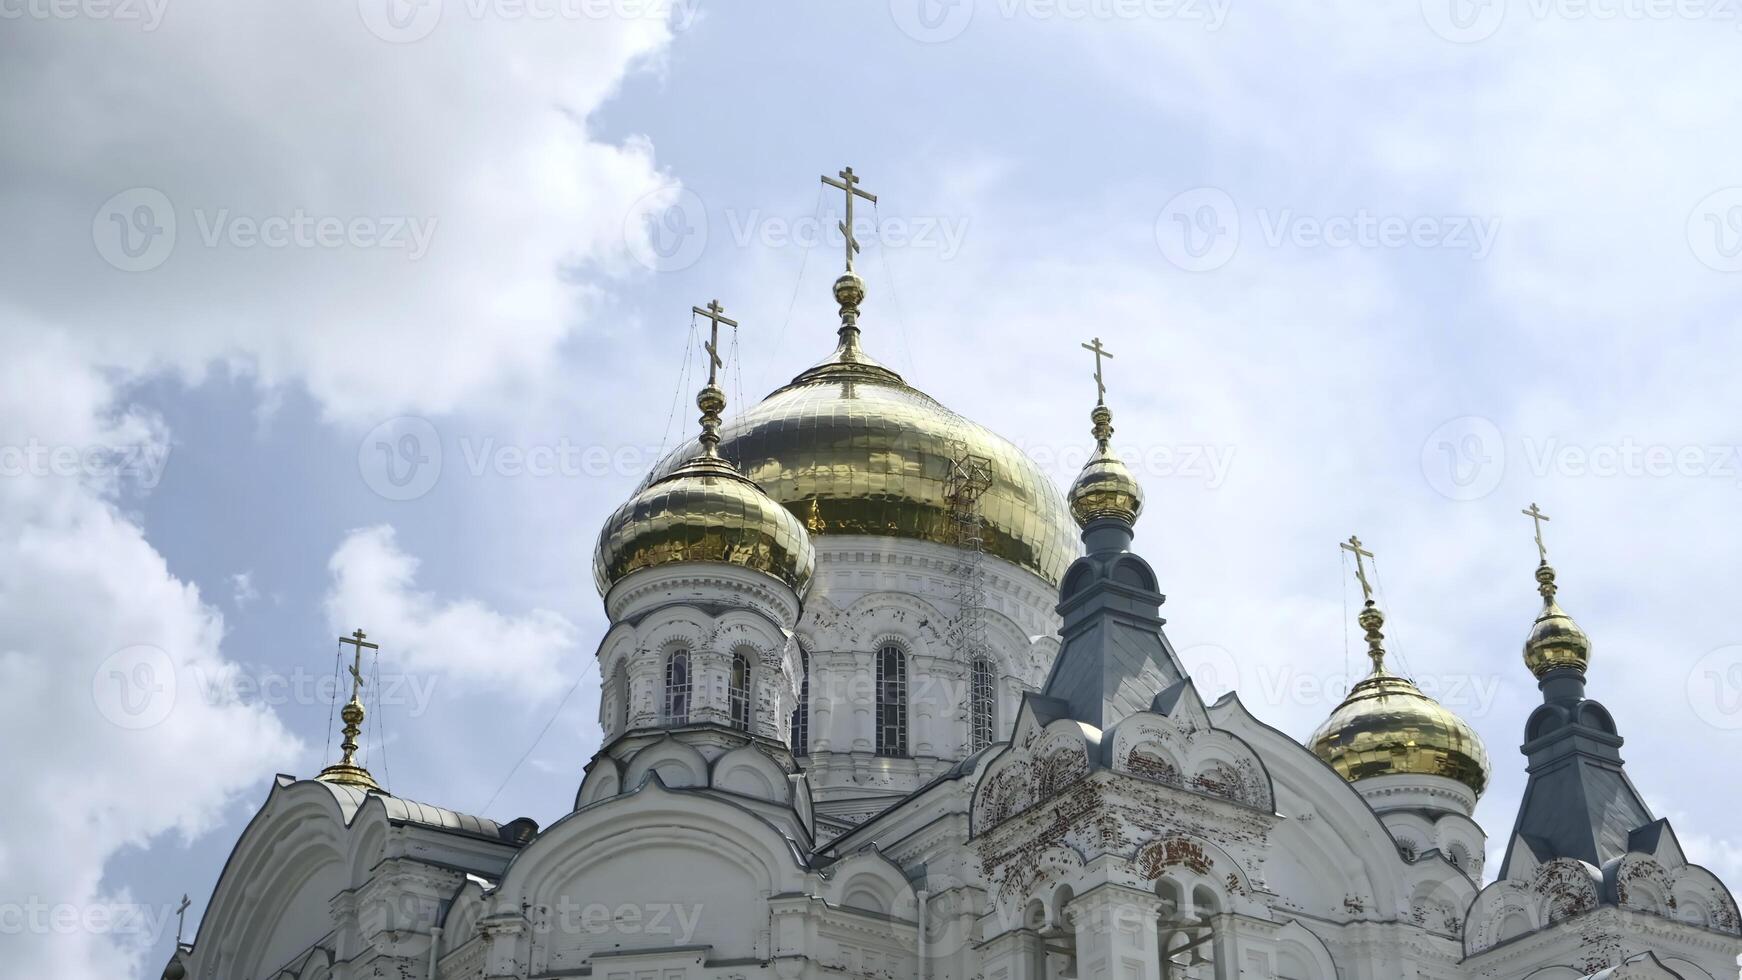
[711, 399]
[849, 290]
[351, 713]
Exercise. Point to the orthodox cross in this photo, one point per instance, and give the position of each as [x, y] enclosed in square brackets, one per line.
[1100, 385]
[181, 912]
[1537, 517]
[1353, 545]
[715, 313]
[358, 640]
[846, 183]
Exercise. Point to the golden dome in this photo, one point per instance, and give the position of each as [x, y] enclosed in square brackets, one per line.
[851, 448]
[1387, 727]
[1555, 641]
[704, 510]
[1106, 487]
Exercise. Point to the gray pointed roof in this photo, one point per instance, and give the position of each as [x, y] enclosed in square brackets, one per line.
[1114, 658]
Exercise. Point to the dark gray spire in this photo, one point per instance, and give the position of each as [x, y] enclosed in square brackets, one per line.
[1578, 802]
[1114, 660]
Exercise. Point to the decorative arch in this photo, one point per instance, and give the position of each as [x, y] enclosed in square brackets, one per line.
[678, 765]
[1301, 955]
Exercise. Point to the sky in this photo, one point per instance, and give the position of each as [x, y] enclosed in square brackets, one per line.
[365, 313]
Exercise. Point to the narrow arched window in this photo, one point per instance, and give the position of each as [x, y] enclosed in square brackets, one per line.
[982, 704]
[738, 695]
[619, 700]
[891, 701]
[801, 715]
[677, 688]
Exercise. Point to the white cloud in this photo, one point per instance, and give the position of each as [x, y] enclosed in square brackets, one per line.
[242, 590]
[457, 176]
[470, 150]
[459, 640]
[103, 654]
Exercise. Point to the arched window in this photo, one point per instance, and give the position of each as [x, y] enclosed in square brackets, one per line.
[619, 700]
[677, 688]
[982, 704]
[801, 715]
[891, 701]
[738, 696]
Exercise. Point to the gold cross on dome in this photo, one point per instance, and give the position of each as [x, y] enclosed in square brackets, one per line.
[717, 315]
[358, 639]
[1100, 384]
[1353, 545]
[1537, 517]
[846, 183]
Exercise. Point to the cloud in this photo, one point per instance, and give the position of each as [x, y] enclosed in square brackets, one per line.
[289, 192]
[459, 640]
[105, 658]
[395, 226]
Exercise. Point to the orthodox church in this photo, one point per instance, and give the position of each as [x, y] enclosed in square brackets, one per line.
[880, 702]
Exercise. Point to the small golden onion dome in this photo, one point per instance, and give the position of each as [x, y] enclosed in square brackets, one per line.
[1388, 727]
[1106, 487]
[704, 510]
[1555, 641]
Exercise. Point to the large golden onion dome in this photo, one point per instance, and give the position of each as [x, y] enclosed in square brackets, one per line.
[1388, 727]
[851, 448]
[1106, 487]
[704, 510]
[1555, 641]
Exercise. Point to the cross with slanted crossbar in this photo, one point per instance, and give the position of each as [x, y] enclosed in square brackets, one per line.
[1354, 545]
[717, 314]
[1537, 516]
[358, 640]
[181, 912]
[846, 184]
[1100, 385]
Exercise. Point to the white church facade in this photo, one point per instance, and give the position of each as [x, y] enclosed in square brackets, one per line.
[879, 701]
